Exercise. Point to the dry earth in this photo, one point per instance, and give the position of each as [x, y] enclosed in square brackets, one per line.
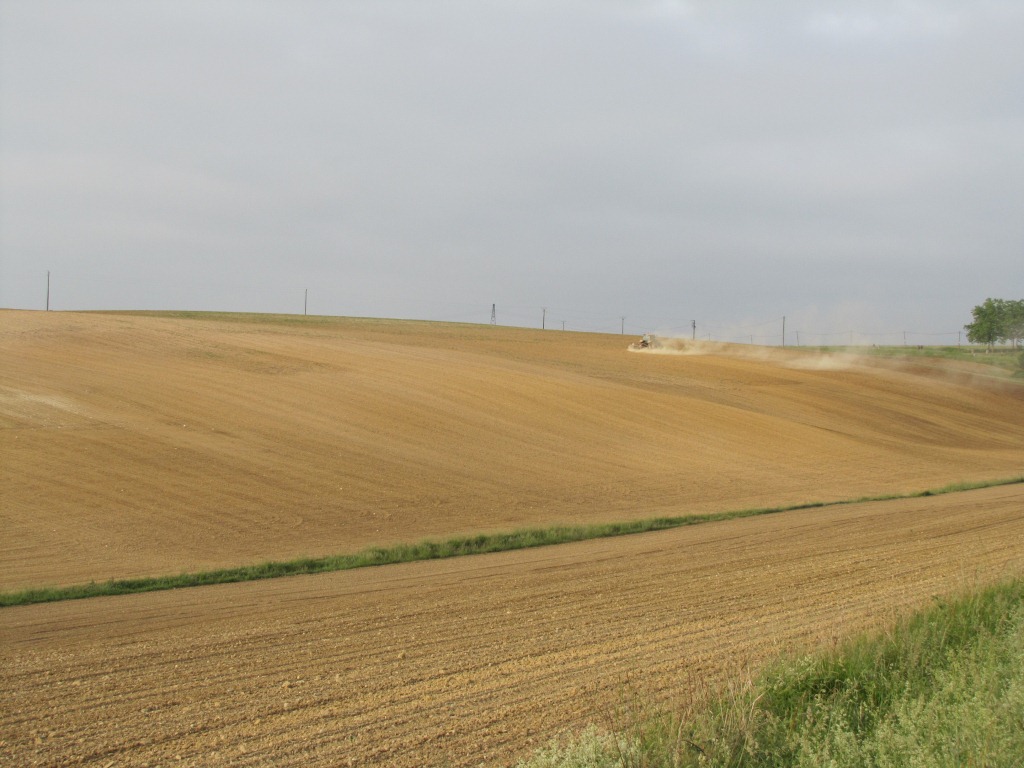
[470, 661]
[141, 445]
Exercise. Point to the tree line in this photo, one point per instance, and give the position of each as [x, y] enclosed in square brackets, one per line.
[997, 321]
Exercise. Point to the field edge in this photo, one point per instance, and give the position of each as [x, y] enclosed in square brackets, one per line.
[435, 550]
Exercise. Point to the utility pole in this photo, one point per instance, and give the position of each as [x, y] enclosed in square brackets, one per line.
[563, 325]
[783, 330]
[47, 290]
[694, 324]
[544, 318]
[622, 330]
[493, 315]
[798, 338]
[305, 302]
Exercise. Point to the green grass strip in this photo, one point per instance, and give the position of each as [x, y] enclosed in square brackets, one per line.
[434, 550]
[943, 687]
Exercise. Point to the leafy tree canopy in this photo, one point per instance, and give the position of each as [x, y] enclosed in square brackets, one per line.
[997, 320]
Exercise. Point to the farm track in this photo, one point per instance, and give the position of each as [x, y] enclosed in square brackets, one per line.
[472, 661]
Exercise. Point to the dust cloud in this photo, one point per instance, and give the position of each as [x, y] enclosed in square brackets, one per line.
[959, 372]
[786, 357]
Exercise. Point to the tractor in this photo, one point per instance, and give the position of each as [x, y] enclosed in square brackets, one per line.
[647, 341]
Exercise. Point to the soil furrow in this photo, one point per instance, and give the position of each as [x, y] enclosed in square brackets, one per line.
[412, 675]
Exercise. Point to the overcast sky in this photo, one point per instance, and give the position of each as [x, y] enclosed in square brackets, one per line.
[855, 167]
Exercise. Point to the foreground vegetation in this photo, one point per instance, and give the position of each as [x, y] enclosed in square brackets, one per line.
[944, 688]
[430, 550]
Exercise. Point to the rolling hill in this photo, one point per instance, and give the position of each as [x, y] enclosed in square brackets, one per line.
[141, 444]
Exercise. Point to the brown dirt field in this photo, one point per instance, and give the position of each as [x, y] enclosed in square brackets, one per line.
[471, 661]
[139, 445]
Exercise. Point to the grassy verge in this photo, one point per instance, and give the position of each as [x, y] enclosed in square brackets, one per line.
[431, 550]
[943, 688]
[1003, 357]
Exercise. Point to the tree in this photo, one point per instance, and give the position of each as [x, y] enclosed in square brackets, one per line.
[985, 328]
[1014, 322]
[997, 320]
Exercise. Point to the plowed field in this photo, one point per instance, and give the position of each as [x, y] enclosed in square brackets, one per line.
[135, 445]
[144, 445]
[471, 661]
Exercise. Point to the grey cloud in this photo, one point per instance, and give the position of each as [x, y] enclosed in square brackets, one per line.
[653, 159]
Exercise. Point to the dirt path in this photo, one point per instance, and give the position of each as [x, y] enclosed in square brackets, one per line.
[472, 661]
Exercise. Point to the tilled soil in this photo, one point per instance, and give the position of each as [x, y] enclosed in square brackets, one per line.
[138, 445]
[472, 661]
